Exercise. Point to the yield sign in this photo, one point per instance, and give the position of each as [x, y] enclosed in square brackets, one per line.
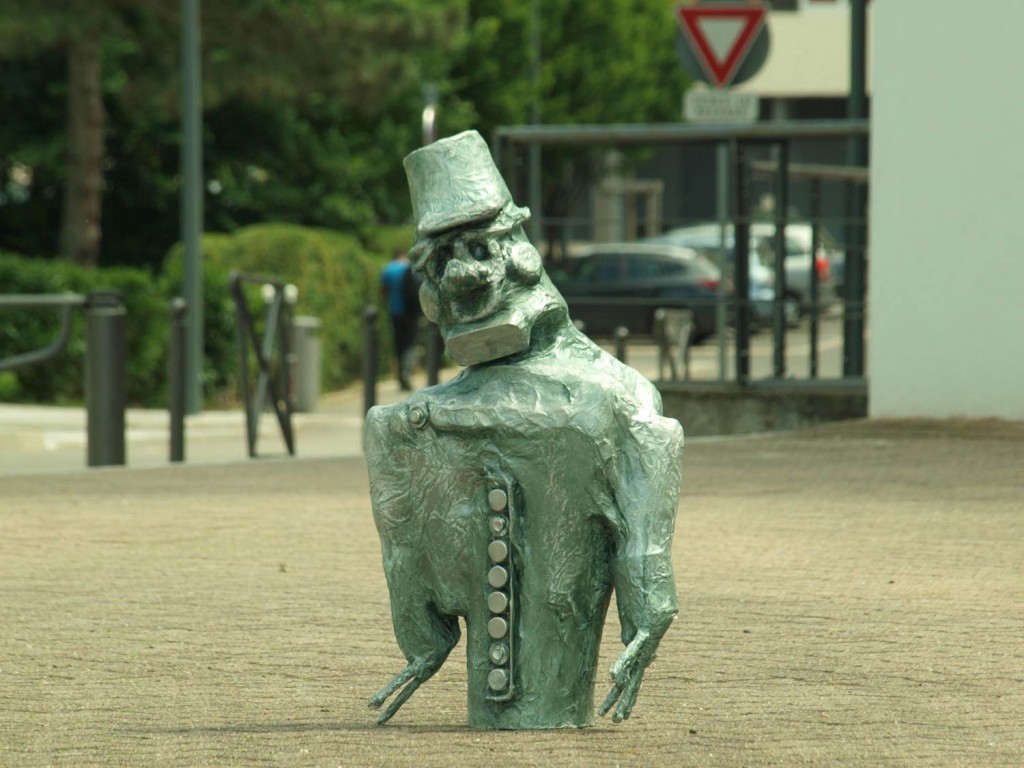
[721, 36]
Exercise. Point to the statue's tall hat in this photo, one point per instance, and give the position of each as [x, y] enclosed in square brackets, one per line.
[454, 183]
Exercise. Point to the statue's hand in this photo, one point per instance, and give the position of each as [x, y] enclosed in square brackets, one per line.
[627, 673]
[415, 673]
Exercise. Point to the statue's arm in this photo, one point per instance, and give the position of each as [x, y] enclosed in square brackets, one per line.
[424, 635]
[647, 492]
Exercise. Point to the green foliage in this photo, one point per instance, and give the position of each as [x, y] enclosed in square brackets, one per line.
[62, 379]
[335, 278]
[309, 106]
[609, 62]
[386, 240]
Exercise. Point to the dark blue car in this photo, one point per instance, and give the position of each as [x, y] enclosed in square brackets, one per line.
[623, 284]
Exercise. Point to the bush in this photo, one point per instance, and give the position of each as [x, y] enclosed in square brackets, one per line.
[61, 380]
[335, 276]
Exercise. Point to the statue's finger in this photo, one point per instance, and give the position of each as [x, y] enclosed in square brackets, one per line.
[629, 655]
[381, 696]
[628, 698]
[398, 701]
[610, 700]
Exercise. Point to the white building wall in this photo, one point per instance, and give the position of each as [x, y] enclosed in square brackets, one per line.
[946, 282]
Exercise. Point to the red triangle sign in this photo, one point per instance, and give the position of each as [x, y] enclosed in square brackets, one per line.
[721, 35]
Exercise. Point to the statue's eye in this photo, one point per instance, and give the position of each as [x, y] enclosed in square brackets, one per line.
[478, 250]
[442, 255]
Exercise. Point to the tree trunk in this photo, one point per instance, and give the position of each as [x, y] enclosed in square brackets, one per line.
[83, 190]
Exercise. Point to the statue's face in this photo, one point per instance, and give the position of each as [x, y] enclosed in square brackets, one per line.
[473, 277]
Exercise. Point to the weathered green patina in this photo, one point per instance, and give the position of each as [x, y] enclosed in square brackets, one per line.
[522, 492]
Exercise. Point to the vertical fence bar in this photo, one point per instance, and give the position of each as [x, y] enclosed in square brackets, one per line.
[369, 358]
[779, 313]
[741, 244]
[176, 379]
[815, 297]
[722, 209]
[856, 239]
[105, 379]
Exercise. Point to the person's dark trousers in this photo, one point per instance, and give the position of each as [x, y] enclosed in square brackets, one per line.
[404, 328]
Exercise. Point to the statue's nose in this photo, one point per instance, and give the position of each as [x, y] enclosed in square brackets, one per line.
[464, 273]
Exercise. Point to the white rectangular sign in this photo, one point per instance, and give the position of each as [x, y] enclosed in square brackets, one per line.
[701, 105]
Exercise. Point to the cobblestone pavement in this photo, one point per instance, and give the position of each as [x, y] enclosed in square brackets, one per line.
[850, 595]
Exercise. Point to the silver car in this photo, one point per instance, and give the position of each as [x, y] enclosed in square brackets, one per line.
[707, 240]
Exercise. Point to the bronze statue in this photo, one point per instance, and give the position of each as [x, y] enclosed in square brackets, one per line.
[519, 494]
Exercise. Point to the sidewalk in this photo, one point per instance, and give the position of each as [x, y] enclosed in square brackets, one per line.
[40, 439]
[849, 595]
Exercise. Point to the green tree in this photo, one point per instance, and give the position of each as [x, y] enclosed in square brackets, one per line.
[324, 65]
[584, 62]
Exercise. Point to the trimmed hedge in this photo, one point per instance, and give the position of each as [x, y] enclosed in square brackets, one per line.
[336, 279]
[335, 275]
[61, 380]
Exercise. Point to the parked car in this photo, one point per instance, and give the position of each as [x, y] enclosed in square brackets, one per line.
[647, 271]
[799, 264]
[761, 290]
[825, 265]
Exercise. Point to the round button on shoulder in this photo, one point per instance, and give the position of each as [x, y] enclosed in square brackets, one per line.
[497, 577]
[418, 415]
[497, 627]
[497, 550]
[498, 499]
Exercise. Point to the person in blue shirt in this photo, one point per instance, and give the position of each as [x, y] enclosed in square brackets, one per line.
[399, 286]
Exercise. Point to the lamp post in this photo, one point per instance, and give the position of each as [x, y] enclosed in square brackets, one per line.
[192, 203]
[429, 114]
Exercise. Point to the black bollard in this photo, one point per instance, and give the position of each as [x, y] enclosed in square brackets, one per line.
[433, 354]
[621, 334]
[369, 358]
[176, 379]
[105, 379]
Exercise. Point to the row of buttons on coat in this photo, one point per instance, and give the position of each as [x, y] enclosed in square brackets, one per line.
[498, 598]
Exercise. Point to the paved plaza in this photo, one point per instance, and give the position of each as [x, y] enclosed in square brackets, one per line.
[850, 595]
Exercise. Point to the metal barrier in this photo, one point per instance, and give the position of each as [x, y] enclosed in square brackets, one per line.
[738, 147]
[272, 377]
[105, 397]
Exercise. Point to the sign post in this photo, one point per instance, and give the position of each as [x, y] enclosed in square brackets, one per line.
[721, 35]
[721, 42]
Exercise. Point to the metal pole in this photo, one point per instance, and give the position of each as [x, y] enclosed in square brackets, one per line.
[192, 201]
[781, 204]
[815, 288]
[857, 151]
[176, 379]
[369, 358]
[621, 335]
[105, 379]
[741, 237]
[433, 354]
[535, 203]
[722, 207]
[429, 117]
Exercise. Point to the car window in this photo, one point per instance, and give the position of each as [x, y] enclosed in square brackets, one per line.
[577, 270]
[672, 268]
[642, 267]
